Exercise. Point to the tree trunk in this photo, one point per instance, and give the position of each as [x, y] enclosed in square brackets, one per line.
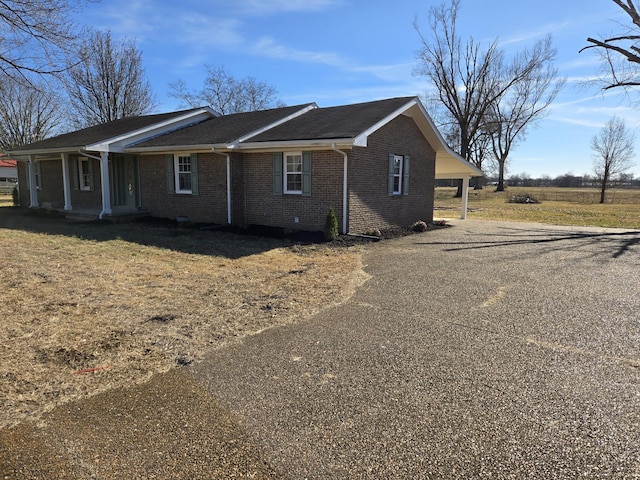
[459, 191]
[501, 163]
[603, 187]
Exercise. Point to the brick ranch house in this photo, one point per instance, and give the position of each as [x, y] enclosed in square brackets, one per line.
[374, 163]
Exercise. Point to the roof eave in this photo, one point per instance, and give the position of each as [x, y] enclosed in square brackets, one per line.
[46, 151]
[175, 148]
[346, 143]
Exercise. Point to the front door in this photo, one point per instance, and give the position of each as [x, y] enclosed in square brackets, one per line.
[125, 181]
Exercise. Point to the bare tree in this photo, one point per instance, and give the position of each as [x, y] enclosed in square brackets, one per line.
[109, 82]
[613, 152]
[465, 78]
[524, 104]
[620, 54]
[28, 112]
[227, 94]
[36, 36]
[468, 80]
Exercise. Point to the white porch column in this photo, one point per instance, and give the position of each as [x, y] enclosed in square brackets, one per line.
[33, 187]
[104, 177]
[66, 183]
[465, 197]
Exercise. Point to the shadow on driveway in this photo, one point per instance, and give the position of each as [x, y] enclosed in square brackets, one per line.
[612, 242]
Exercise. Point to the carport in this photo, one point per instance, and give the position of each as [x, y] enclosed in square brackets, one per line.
[449, 165]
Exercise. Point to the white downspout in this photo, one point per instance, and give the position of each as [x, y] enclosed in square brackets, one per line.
[104, 179]
[345, 191]
[228, 157]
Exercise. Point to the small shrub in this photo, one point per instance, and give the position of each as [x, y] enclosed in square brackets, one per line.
[419, 226]
[523, 198]
[331, 226]
[16, 196]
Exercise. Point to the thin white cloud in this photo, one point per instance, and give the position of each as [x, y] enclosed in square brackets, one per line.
[269, 7]
[533, 34]
[270, 48]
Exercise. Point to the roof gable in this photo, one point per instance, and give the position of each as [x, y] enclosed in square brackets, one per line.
[341, 122]
[226, 131]
[111, 132]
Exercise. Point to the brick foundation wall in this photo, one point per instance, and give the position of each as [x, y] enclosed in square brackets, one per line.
[370, 206]
[208, 206]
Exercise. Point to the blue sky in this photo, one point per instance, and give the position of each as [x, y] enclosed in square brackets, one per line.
[335, 52]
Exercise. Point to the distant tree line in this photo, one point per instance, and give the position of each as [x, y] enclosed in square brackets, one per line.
[568, 180]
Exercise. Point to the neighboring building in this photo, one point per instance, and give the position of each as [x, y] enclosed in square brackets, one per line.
[8, 170]
[8, 174]
[374, 163]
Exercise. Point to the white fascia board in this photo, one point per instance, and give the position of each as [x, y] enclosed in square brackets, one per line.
[119, 143]
[244, 138]
[174, 148]
[345, 143]
[361, 139]
[47, 151]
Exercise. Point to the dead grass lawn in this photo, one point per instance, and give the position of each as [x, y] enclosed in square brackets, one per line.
[90, 307]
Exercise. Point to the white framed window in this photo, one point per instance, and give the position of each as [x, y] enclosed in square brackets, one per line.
[182, 168]
[292, 169]
[398, 160]
[85, 174]
[398, 175]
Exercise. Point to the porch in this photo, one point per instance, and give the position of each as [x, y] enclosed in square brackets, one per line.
[88, 214]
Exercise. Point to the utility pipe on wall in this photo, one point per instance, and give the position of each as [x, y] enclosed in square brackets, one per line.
[345, 191]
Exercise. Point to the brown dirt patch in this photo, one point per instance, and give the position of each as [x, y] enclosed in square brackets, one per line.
[90, 307]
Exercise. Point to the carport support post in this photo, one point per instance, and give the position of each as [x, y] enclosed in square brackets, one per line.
[465, 197]
[33, 186]
[66, 183]
[104, 178]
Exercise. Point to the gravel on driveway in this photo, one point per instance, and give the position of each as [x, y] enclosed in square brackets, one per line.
[486, 350]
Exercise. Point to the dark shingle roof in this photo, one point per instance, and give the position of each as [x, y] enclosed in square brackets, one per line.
[221, 129]
[97, 133]
[347, 121]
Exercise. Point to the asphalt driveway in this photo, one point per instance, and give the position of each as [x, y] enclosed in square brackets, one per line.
[487, 350]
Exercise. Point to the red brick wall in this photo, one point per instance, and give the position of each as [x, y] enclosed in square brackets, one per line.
[208, 206]
[263, 207]
[370, 206]
[85, 198]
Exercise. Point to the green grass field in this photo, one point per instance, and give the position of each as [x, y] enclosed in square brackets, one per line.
[561, 206]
